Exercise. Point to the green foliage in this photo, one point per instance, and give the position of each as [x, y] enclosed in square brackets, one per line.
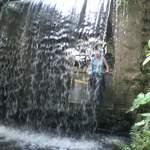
[140, 142]
[147, 59]
[149, 43]
[123, 147]
[140, 133]
[142, 99]
[140, 138]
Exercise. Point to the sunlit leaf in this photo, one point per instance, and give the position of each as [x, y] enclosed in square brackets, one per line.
[146, 61]
[147, 55]
[149, 43]
[141, 123]
[147, 94]
[146, 115]
[141, 95]
[142, 99]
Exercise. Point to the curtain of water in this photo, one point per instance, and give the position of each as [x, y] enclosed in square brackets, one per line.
[38, 56]
[121, 10]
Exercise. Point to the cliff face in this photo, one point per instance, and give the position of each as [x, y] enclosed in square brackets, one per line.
[132, 32]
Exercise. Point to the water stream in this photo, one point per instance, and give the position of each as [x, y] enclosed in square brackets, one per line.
[23, 139]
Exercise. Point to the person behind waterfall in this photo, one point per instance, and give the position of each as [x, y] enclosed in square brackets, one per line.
[97, 82]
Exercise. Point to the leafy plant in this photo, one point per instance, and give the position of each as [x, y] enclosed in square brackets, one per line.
[147, 59]
[142, 99]
[140, 133]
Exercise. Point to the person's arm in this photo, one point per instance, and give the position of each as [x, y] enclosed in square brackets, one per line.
[89, 68]
[106, 64]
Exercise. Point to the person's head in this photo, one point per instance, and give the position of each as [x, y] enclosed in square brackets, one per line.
[97, 53]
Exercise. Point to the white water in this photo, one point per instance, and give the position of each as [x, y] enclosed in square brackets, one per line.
[24, 137]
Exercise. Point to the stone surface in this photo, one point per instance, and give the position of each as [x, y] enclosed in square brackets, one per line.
[129, 39]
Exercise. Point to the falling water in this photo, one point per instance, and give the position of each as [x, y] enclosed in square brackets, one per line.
[36, 74]
[39, 44]
[120, 9]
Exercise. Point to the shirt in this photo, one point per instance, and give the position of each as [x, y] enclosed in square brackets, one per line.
[97, 65]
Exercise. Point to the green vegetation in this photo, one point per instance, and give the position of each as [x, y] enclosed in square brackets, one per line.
[140, 132]
[147, 55]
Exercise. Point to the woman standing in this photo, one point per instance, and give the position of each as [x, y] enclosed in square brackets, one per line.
[98, 62]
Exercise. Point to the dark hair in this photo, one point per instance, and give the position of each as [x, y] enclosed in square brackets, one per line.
[96, 47]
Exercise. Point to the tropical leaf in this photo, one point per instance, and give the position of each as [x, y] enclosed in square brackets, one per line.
[149, 43]
[148, 54]
[146, 61]
[146, 115]
[141, 99]
[147, 94]
[141, 95]
[141, 123]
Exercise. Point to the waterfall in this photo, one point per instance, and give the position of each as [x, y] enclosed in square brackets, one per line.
[37, 72]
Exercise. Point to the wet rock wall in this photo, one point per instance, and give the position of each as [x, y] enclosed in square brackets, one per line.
[132, 31]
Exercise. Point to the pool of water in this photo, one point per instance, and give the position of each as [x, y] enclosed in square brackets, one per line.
[22, 139]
